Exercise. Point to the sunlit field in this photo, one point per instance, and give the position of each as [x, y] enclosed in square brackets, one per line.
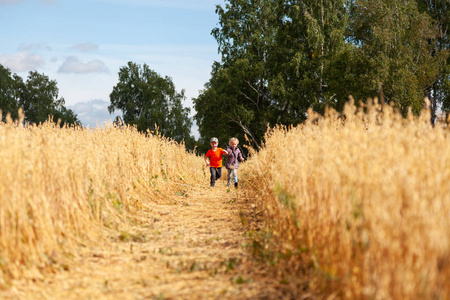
[356, 206]
[62, 189]
[349, 206]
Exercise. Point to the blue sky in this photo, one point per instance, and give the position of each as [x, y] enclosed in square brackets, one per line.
[82, 44]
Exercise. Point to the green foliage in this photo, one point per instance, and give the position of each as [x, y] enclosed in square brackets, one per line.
[38, 96]
[439, 11]
[277, 61]
[39, 99]
[9, 92]
[280, 58]
[222, 112]
[396, 55]
[238, 279]
[312, 41]
[151, 102]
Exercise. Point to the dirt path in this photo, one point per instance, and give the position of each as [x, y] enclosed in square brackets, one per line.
[192, 248]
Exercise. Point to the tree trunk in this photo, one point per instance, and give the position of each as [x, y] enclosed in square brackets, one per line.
[381, 93]
[247, 132]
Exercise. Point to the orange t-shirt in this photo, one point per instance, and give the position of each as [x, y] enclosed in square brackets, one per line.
[215, 157]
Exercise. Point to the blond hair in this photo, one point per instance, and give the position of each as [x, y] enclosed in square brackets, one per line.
[233, 139]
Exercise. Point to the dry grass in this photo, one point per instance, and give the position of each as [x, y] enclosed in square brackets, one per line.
[354, 206]
[64, 189]
[114, 214]
[357, 205]
[189, 248]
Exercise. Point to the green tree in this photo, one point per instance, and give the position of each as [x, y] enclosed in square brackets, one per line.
[311, 57]
[281, 57]
[147, 100]
[67, 116]
[394, 52]
[9, 92]
[241, 83]
[39, 100]
[221, 111]
[439, 91]
[278, 59]
[37, 96]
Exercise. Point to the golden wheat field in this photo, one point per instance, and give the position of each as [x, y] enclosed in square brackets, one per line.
[62, 187]
[357, 205]
[344, 206]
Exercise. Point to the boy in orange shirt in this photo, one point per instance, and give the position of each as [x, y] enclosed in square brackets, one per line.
[215, 160]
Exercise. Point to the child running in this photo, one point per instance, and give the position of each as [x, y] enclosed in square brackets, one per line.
[215, 160]
[232, 164]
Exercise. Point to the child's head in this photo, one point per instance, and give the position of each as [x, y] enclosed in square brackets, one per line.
[214, 142]
[233, 142]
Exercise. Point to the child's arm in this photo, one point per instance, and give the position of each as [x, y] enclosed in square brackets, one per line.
[206, 161]
[240, 156]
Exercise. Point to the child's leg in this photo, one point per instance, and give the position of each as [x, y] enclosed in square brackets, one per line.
[235, 176]
[229, 176]
[213, 175]
[219, 172]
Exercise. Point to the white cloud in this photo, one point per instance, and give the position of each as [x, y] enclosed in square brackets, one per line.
[93, 112]
[85, 47]
[73, 65]
[188, 66]
[34, 47]
[22, 61]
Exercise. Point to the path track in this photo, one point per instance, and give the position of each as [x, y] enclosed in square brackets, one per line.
[193, 247]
